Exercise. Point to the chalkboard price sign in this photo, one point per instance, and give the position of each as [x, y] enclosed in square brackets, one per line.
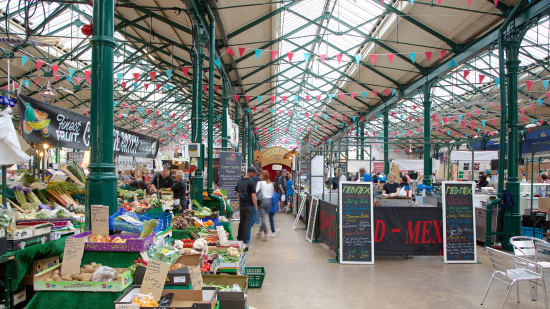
[356, 223]
[459, 226]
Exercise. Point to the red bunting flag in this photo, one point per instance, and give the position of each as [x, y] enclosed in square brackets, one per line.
[87, 75]
[335, 117]
[158, 86]
[229, 50]
[263, 109]
[375, 92]
[182, 116]
[148, 112]
[390, 58]
[39, 64]
[472, 124]
[343, 117]
[284, 99]
[153, 75]
[204, 88]
[254, 108]
[241, 51]
[139, 119]
[307, 115]
[136, 76]
[522, 111]
[289, 113]
[393, 114]
[174, 115]
[387, 92]
[470, 115]
[466, 72]
[123, 106]
[131, 108]
[86, 113]
[319, 98]
[428, 56]
[352, 94]
[443, 52]
[362, 119]
[339, 57]
[280, 112]
[410, 118]
[236, 98]
[531, 107]
[247, 98]
[307, 98]
[481, 77]
[272, 101]
[315, 116]
[529, 84]
[185, 71]
[216, 88]
[323, 56]
[341, 96]
[55, 68]
[373, 58]
[289, 54]
[274, 54]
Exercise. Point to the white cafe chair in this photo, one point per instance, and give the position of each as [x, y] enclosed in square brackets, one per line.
[533, 273]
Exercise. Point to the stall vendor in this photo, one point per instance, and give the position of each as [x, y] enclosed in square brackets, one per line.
[163, 181]
[404, 181]
[483, 181]
[139, 184]
[391, 186]
[179, 190]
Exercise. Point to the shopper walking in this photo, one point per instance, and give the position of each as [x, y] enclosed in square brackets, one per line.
[256, 181]
[272, 211]
[282, 189]
[289, 193]
[267, 189]
[246, 194]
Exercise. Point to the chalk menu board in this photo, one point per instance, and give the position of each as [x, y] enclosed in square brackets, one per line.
[356, 223]
[313, 210]
[229, 172]
[459, 226]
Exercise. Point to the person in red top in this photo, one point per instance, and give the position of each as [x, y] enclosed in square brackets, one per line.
[146, 176]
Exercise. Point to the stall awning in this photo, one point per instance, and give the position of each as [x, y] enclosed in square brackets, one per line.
[478, 155]
[415, 165]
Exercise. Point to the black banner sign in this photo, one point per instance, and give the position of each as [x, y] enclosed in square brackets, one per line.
[48, 124]
[356, 228]
[327, 224]
[459, 222]
[408, 231]
[229, 172]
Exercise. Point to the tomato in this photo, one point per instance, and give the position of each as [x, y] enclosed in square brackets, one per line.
[203, 269]
[188, 240]
[186, 245]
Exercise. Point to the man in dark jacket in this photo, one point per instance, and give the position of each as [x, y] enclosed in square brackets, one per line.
[282, 189]
[246, 194]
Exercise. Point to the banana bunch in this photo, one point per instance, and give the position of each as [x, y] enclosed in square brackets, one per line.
[39, 125]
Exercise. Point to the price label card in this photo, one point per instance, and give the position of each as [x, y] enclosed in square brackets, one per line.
[222, 235]
[154, 278]
[144, 256]
[127, 306]
[72, 255]
[196, 278]
[100, 220]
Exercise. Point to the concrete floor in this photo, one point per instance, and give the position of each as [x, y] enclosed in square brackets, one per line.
[299, 276]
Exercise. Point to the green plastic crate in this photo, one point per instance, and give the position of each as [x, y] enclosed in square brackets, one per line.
[255, 275]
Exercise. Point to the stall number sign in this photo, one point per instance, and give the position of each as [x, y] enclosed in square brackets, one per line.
[356, 228]
[459, 226]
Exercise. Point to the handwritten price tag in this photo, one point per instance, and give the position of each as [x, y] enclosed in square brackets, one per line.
[100, 220]
[127, 306]
[154, 279]
[222, 235]
[196, 278]
[72, 255]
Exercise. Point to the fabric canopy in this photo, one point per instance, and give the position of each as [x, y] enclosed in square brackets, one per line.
[478, 155]
[10, 149]
[415, 165]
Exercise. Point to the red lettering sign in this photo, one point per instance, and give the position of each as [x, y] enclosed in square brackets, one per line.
[379, 230]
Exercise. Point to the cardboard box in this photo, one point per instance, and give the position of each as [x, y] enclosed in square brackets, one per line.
[51, 175]
[230, 267]
[15, 245]
[183, 299]
[180, 276]
[19, 296]
[37, 267]
[17, 232]
[228, 299]
[123, 281]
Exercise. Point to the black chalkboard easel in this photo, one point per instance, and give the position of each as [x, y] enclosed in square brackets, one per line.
[459, 222]
[356, 223]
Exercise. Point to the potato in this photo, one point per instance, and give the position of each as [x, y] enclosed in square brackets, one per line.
[93, 264]
[87, 278]
[88, 268]
[55, 277]
[66, 278]
[56, 272]
[82, 270]
[49, 279]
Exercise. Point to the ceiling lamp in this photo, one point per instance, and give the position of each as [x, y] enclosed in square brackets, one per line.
[47, 93]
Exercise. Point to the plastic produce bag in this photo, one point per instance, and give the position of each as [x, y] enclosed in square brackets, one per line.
[162, 252]
[403, 192]
[10, 148]
[104, 274]
[5, 219]
[145, 300]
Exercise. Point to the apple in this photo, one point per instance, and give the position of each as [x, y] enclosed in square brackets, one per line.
[116, 240]
[124, 241]
[101, 240]
[91, 238]
[99, 236]
[108, 239]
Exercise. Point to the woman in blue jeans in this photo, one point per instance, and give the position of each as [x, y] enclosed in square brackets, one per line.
[272, 211]
[267, 189]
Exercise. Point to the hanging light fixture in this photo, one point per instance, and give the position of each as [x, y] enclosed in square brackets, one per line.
[47, 93]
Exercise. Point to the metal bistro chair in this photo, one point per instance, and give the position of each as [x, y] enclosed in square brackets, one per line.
[528, 248]
[533, 273]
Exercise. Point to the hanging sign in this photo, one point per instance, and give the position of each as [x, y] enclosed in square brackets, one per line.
[48, 124]
[229, 172]
[356, 228]
[276, 167]
[459, 225]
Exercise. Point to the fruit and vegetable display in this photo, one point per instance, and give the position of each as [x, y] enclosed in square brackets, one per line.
[185, 246]
[106, 239]
[146, 300]
[202, 211]
[93, 272]
[148, 228]
[77, 171]
[125, 194]
[163, 253]
[235, 288]
[231, 255]
[60, 193]
[182, 221]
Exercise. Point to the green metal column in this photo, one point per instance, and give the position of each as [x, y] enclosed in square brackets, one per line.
[250, 140]
[386, 143]
[427, 91]
[363, 141]
[512, 220]
[197, 184]
[243, 143]
[238, 122]
[225, 105]
[101, 182]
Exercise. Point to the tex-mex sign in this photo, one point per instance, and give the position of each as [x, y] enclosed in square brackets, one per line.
[48, 124]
